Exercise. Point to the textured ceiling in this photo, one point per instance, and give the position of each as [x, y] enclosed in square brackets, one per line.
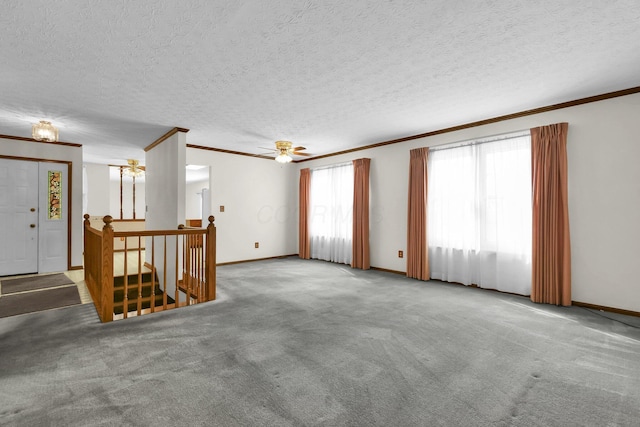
[326, 74]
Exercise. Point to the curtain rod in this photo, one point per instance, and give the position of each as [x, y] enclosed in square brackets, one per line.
[480, 141]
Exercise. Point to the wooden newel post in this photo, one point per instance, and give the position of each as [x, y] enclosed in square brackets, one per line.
[107, 270]
[210, 272]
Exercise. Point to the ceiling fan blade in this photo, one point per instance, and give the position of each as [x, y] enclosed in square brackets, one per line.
[265, 148]
[298, 148]
[300, 154]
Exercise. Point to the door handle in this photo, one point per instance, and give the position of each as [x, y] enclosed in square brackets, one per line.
[32, 209]
[32, 226]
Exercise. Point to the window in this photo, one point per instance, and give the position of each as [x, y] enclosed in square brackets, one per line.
[479, 213]
[331, 213]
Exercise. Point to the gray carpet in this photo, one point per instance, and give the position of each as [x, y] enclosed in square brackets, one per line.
[302, 343]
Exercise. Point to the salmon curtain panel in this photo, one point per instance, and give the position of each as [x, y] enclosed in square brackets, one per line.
[360, 247]
[551, 252]
[304, 251]
[417, 249]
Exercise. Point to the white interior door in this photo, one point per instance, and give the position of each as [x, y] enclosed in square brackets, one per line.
[53, 217]
[18, 217]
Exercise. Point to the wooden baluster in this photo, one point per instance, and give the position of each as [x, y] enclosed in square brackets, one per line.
[189, 268]
[139, 279]
[176, 275]
[97, 259]
[200, 268]
[185, 278]
[194, 268]
[153, 276]
[164, 277]
[125, 299]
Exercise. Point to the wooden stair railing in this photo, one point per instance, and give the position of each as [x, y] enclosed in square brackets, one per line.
[182, 260]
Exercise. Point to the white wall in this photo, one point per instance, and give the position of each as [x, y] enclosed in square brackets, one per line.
[98, 191]
[43, 151]
[604, 195]
[260, 201]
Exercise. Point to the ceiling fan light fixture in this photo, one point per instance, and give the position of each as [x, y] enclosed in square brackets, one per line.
[133, 169]
[44, 131]
[283, 158]
[284, 149]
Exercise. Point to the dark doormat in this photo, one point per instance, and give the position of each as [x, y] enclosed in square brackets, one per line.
[10, 286]
[29, 302]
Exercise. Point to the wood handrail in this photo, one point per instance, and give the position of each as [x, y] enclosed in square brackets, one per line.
[148, 233]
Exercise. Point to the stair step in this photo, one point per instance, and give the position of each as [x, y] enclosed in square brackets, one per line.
[135, 286]
[133, 294]
[143, 299]
[145, 303]
[147, 285]
[132, 279]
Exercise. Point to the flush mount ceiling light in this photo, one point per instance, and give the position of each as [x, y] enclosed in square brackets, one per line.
[133, 169]
[44, 131]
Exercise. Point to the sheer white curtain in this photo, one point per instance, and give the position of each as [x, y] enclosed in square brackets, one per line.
[331, 213]
[479, 214]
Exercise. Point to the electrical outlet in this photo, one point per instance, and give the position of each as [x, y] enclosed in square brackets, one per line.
[221, 208]
[257, 245]
[400, 254]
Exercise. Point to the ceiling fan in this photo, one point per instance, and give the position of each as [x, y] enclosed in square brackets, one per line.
[133, 169]
[284, 150]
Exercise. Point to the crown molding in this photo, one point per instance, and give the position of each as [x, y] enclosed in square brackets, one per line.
[21, 138]
[165, 137]
[221, 150]
[525, 113]
[497, 119]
